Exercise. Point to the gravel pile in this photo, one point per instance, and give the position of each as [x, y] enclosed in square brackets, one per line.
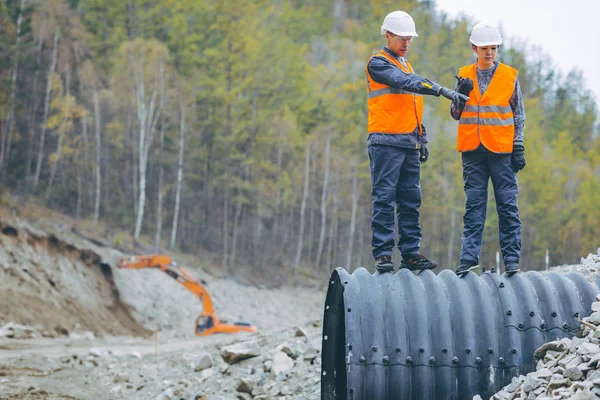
[567, 368]
[283, 366]
[280, 365]
[589, 266]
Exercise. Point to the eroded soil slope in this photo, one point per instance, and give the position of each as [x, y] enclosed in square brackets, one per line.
[66, 286]
[58, 286]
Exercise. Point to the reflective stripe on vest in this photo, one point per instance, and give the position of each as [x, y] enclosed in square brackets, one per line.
[498, 109]
[393, 110]
[488, 119]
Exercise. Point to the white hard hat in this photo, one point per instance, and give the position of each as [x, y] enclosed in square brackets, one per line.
[399, 23]
[485, 34]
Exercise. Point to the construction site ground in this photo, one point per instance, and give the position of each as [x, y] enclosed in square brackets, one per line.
[74, 326]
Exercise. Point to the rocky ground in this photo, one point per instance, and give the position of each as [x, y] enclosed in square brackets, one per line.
[282, 364]
[568, 368]
[589, 266]
[73, 326]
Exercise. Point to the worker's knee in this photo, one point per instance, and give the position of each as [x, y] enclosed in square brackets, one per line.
[508, 210]
[383, 196]
[409, 198]
[476, 197]
[506, 198]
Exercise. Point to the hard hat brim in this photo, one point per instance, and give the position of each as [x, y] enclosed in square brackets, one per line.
[384, 30]
[487, 43]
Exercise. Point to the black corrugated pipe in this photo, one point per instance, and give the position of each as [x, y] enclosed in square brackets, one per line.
[427, 337]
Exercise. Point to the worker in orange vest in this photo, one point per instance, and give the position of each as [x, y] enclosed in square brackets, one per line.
[490, 138]
[397, 144]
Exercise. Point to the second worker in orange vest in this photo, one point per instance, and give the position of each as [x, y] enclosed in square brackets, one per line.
[397, 144]
[490, 138]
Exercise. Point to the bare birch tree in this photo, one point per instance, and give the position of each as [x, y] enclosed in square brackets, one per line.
[350, 244]
[82, 163]
[226, 214]
[234, 234]
[13, 94]
[40, 156]
[333, 226]
[83, 159]
[98, 164]
[145, 62]
[34, 109]
[161, 168]
[312, 204]
[31, 122]
[324, 200]
[338, 16]
[131, 135]
[179, 186]
[303, 206]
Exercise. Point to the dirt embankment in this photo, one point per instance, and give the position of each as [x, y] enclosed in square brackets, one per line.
[68, 280]
[57, 286]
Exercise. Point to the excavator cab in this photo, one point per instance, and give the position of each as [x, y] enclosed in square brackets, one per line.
[204, 323]
[207, 322]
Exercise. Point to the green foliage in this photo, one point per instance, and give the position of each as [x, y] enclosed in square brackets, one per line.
[261, 81]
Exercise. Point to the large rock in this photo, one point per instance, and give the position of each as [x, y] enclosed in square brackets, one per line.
[588, 349]
[585, 395]
[237, 352]
[300, 332]
[557, 345]
[17, 331]
[594, 318]
[310, 353]
[121, 377]
[543, 373]
[245, 385]
[204, 361]
[86, 335]
[573, 373]
[287, 349]
[530, 383]
[282, 363]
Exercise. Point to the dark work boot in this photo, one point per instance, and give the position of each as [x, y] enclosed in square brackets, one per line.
[417, 262]
[384, 264]
[465, 267]
[512, 267]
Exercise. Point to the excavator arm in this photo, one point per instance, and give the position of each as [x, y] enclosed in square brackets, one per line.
[207, 322]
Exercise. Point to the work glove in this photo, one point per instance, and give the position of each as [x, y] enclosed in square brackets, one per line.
[464, 85]
[454, 96]
[518, 158]
[423, 153]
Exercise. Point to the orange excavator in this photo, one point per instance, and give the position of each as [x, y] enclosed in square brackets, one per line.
[207, 322]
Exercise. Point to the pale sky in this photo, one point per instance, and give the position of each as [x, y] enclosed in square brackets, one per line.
[568, 31]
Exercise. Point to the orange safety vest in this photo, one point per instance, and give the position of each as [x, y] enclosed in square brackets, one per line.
[488, 119]
[393, 110]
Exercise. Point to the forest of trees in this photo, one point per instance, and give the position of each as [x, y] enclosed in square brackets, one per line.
[238, 127]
